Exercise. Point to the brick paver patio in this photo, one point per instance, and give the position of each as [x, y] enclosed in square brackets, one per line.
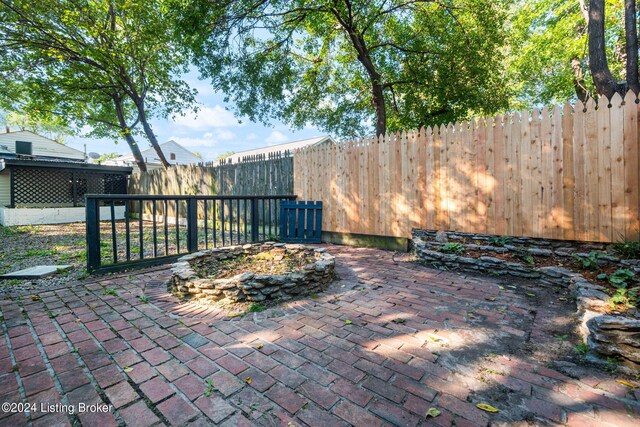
[411, 344]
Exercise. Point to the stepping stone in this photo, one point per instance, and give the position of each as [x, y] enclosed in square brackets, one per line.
[36, 272]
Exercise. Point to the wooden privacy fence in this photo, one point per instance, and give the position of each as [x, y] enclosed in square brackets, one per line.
[566, 173]
[258, 175]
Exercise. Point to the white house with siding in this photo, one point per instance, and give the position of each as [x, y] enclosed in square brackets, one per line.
[44, 182]
[175, 154]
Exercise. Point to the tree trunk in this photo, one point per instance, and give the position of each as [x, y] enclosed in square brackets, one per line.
[578, 80]
[377, 91]
[631, 45]
[137, 155]
[135, 149]
[602, 77]
[149, 132]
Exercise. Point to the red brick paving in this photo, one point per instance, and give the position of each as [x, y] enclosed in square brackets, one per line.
[173, 363]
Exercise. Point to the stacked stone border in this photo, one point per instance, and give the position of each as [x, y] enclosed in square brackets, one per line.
[249, 286]
[607, 335]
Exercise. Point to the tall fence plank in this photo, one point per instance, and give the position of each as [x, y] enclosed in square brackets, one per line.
[562, 173]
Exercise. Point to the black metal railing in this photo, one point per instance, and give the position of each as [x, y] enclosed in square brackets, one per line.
[144, 230]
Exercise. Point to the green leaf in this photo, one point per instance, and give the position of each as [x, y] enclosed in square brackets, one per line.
[433, 412]
[487, 408]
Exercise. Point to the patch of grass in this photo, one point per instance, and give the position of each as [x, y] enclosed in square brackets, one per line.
[582, 349]
[110, 291]
[627, 250]
[452, 247]
[399, 320]
[144, 299]
[39, 252]
[12, 282]
[256, 307]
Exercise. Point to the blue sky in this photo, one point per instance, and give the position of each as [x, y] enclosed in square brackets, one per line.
[212, 131]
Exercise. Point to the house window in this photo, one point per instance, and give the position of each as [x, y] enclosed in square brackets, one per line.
[173, 156]
[24, 148]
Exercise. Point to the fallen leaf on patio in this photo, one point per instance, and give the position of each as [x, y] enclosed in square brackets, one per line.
[247, 380]
[471, 316]
[433, 412]
[501, 310]
[487, 408]
[531, 295]
[435, 338]
[127, 369]
[91, 307]
[35, 297]
[260, 346]
[399, 320]
[348, 322]
[626, 383]
[491, 299]
[78, 320]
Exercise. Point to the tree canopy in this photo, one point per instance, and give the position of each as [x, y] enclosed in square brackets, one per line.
[341, 64]
[110, 64]
[548, 50]
[344, 66]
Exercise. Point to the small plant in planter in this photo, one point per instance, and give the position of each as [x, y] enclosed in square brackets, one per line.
[525, 256]
[452, 247]
[499, 240]
[623, 295]
[590, 262]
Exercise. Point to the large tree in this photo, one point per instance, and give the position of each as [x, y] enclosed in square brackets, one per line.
[108, 63]
[548, 59]
[343, 64]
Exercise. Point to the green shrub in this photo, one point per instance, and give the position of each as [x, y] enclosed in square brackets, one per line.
[590, 262]
[623, 295]
[452, 247]
[499, 240]
[627, 250]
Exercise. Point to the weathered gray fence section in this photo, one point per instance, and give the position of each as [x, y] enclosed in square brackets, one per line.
[256, 175]
[263, 175]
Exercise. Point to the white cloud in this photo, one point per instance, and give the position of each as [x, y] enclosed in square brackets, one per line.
[206, 118]
[276, 137]
[251, 136]
[207, 140]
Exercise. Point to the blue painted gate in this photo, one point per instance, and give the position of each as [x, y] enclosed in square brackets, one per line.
[301, 222]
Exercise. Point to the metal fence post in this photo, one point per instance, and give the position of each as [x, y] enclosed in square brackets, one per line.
[192, 224]
[92, 213]
[254, 220]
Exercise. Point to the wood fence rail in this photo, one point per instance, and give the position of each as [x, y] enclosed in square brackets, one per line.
[567, 173]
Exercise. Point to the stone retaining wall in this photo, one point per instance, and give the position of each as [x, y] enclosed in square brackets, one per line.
[254, 287]
[607, 335]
